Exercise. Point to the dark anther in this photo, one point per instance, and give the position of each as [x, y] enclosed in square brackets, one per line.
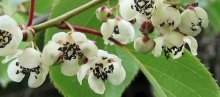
[17, 63]
[193, 27]
[116, 30]
[162, 24]
[70, 51]
[175, 50]
[102, 72]
[143, 6]
[104, 58]
[5, 38]
[200, 22]
[28, 70]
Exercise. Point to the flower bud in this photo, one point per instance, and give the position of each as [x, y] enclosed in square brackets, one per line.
[146, 27]
[28, 34]
[143, 44]
[102, 13]
[193, 20]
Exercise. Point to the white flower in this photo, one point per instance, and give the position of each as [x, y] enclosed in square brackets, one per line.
[193, 20]
[104, 67]
[118, 29]
[139, 9]
[68, 48]
[143, 44]
[166, 18]
[10, 36]
[29, 62]
[173, 44]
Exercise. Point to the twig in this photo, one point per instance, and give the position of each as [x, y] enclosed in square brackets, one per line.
[89, 31]
[31, 13]
[66, 16]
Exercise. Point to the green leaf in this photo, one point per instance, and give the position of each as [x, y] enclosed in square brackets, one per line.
[42, 6]
[184, 77]
[69, 86]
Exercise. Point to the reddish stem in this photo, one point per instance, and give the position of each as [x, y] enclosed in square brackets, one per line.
[89, 31]
[31, 13]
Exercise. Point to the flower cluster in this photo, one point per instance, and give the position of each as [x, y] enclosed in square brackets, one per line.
[80, 56]
[177, 27]
[73, 50]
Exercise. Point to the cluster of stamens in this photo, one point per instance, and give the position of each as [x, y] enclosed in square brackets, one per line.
[27, 71]
[5, 38]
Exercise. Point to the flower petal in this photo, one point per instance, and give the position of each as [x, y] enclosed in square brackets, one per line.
[126, 32]
[191, 41]
[166, 18]
[70, 68]
[78, 37]
[114, 57]
[202, 14]
[126, 10]
[82, 72]
[97, 85]
[189, 23]
[30, 58]
[158, 46]
[37, 79]
[107, 28]
[51, 53]
[14, 71]
[60, 36]
[118, 75]
[89, 49]
[102, 53]
[141, 18]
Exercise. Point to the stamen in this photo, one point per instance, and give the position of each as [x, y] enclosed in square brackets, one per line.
[143, 6]
[5, 38]
[27, 71]
[70, 51]
[102, 72]
[175, 50]
[116, 30]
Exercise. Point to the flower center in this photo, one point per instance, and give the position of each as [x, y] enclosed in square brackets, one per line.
[5, 38]
[26, 71]
[173, 50]
[194, 27]
[100, 70]
[143, 6]
[70, 51]
[168, 23]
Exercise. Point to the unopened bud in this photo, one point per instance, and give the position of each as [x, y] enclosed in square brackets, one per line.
[28, 34]
[103, 13]
[146, 27]
[143, 44]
